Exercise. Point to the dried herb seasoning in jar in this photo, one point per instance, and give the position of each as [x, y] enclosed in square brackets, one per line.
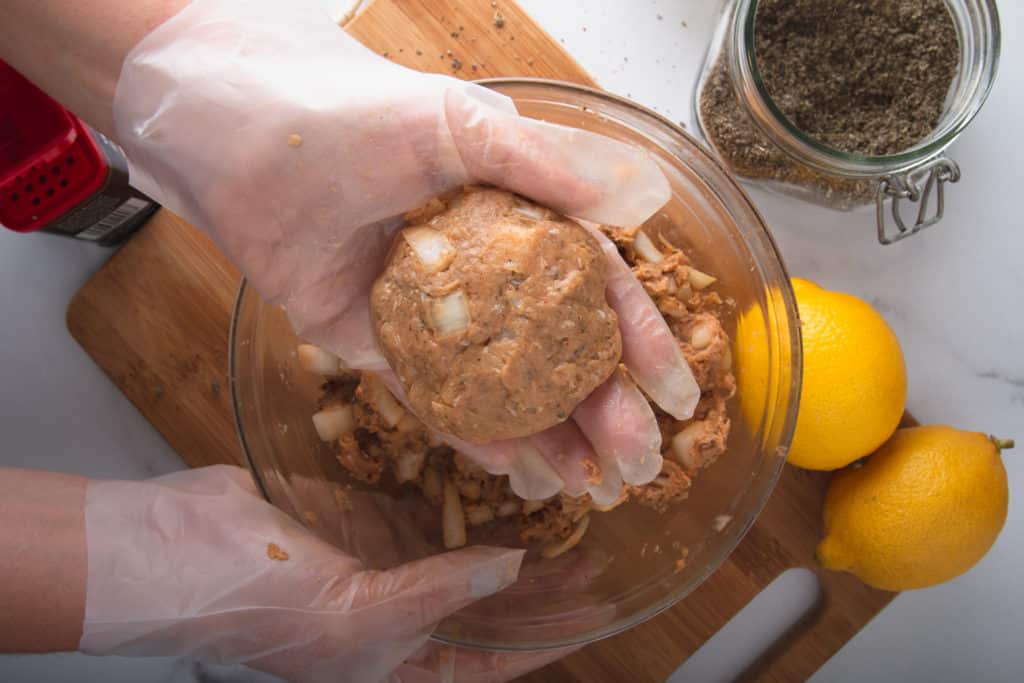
[862, 76]
[845, 102]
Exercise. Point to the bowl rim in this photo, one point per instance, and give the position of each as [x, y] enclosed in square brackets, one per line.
[236, 411]
[788, 421]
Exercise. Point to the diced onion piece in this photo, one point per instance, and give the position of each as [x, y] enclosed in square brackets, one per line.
[531, 506]
[645, 248]
[531, 211]
[479, 514]
[408, 466]
[699, 279]
[408, 423]
[432, 485]
[453, 518]
[431, 247]
[509, 508]
[553, 550]
[720, 522]
[333, 420]
[682, 444]
[380, 397]
[450, 314]
[702, 336]
[315, 359]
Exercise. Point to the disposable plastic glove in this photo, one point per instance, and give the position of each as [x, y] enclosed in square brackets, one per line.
[182, 565]
[297, 150]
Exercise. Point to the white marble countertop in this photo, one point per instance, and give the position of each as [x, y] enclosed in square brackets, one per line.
[950, 294]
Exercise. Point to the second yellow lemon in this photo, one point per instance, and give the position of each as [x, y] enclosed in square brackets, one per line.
[923, 509]
[854, 379]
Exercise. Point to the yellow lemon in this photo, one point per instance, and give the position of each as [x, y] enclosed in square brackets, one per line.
[752, 365]
[922, 510]
[762, 361]
[854, 379]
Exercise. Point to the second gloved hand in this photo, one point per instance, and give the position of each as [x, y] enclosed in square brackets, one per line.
[196, 564]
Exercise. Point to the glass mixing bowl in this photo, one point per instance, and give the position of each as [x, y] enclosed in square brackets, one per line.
[633, 562]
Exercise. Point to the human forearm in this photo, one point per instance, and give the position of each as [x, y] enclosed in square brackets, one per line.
[74, 50]
[43, 560]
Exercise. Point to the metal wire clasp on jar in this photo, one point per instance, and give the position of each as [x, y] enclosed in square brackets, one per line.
[738, 118]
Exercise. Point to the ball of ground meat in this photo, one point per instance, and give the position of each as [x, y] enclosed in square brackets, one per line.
[492, 312]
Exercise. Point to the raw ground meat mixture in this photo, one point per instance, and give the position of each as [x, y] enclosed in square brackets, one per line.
[405, 449]
[525, 330]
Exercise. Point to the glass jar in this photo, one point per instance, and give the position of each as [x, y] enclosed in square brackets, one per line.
[730, 84]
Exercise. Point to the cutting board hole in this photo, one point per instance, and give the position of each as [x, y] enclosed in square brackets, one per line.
[754, 629]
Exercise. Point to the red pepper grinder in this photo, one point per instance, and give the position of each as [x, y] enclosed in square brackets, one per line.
[59, 175]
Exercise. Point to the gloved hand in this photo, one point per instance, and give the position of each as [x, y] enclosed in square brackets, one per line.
[297, 150]
[197, 564]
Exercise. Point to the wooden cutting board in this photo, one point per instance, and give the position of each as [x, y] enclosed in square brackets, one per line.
[156, 319]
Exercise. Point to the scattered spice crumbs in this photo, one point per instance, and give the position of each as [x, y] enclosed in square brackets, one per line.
[275, 552]
[499, 21]
[419, 52]
[294, 140]
[873, 74]
[310, 517]
[684, 553]
[342, 499]
[446, 658]
[456, 64]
